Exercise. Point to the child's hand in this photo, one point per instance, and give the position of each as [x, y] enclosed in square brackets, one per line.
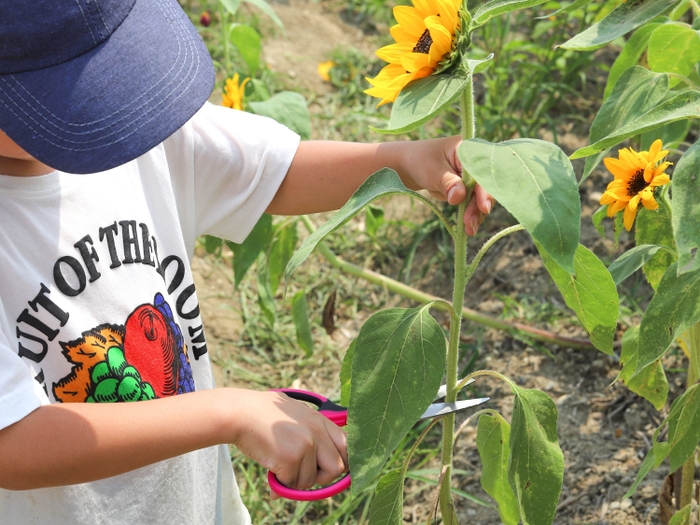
[433, 165]
[299, 445]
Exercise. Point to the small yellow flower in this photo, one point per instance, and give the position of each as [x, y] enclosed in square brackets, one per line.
[233, 93]
[324, 70]
[636, 176]
[424, 37]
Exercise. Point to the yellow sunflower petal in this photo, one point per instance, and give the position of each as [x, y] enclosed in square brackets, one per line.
[409, 20]
[607, 198]
[661, 168]
[660, 180]
[648, 200]
[401, 36]
[619, 168]
[442, 41]
[448, 14]
[392, 53]
[617, 207]
[654, 150]
[415, 61]
[630, 215]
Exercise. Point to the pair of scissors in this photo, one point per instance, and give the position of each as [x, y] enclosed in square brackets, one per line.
[339, 415]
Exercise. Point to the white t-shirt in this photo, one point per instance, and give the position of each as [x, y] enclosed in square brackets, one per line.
[97, 304]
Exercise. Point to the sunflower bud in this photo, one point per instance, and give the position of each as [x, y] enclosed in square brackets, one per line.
[205, 19]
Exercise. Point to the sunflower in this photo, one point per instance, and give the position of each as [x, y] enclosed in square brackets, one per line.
[424, 36]
[233, 93]
[636, 176]
[324, 69]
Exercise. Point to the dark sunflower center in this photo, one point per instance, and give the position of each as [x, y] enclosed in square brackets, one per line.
[424, 43]
[636, 183]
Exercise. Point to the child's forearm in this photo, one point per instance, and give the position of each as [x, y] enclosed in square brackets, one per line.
[65, 444]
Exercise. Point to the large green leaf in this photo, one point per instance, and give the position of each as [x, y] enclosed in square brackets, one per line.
[682, 516]
[398, 364]
[535, 182]
[683, 106]
[631, 261]
[652, 461]
[487, 11]
[673, 309]
[536, 466]
[288, 108]
[623, 19]
[591, 293]
[654, 227]
[674, 48]
[246, 253]
[423, 99]
[636, 92]
[684, 426]
[346, 374]
[573, 6]
[381, 184]
[686, 209]
[630, 55]
[283, 246]
[387, 504]
[493, 444]
[247, 41]
[300, 316]
[651, 383]
[671, 135]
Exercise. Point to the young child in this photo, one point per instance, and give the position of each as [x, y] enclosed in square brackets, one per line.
[97, 302]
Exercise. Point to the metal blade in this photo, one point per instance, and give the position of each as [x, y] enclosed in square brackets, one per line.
[443, 390]
[440, 409]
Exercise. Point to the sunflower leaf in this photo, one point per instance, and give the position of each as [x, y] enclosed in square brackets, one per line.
[674, 48]
[686, 209]
[651, 383]
[654, 227]
[621, 20]
[498, 7]
[535, 182]
[421, 100]
[683, 106]
[631, 261]
[288, 108]
[573, 6]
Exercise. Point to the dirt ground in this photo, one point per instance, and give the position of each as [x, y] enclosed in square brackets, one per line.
[604, 430]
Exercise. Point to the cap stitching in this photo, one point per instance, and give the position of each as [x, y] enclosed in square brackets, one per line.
[86, 21]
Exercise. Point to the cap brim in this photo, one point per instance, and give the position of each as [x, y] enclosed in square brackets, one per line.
[117, 101]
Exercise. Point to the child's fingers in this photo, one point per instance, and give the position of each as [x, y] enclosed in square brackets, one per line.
[484, 201]
[331, 455]
[472, 217]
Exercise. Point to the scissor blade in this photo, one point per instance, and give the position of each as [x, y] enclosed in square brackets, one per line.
[443, 390]
[440, 409]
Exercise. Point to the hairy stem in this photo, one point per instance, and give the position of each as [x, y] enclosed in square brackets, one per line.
[688, 472]
[482, 251]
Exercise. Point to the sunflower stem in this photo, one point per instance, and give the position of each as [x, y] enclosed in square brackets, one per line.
[688, 468]
[460, 284]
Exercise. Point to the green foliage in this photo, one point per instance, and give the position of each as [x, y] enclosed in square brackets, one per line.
[590, 292]
[246, 253]
[535, 182]
[654, 227]
[300, 316]
[631, 261]
[287, 108]
[686, 209]
[499, 7]
[684, 427]
[247, 41]
[536, 466]
[233, 5]
[624, 18]
[651, 382]
[656, 455]
[387, 505]
[493, 444]
[630, 55]
[397, 367]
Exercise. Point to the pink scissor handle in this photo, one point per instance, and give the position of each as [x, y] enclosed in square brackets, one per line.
[339, 416]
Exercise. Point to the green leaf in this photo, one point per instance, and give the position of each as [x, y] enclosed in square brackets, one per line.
[265, 295]
[245, 254]
[683, 106]
[686, 209]
[637, 91]
[536, 466]
[671, 135]
[682, 516]
[684, 427]
[536, 183]
[597, 219]
[475, 66]
[498, 7]
[591, 293]
[247, 41]
[281, 250]
[493, 444]
[387, 504]
[267, 9]
[398, 364]
[655, 456]
[674, 48]
[651, 383]
[300, 316]
[374, 218]
[346, 374]
[573, 6]
[630, 55]
[288, 108]
[421, 100]
[623, 19]
[212, 244]
[654, 227]
[673, 309]
[380, 184]
[231, 5]
[631, 261]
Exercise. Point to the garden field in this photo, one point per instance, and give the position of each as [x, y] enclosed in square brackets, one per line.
[537, 315]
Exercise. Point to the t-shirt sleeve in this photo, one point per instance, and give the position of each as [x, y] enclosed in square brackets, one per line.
[20, 394]
[238, 161]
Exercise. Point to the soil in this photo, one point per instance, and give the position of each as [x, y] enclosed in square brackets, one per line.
[604, 430]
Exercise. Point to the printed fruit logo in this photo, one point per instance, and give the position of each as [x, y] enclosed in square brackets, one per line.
[143, 359]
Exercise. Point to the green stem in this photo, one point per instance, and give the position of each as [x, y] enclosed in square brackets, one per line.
[515, 329]
[688, 472]
[223, 19]
[480, 254]
[460, 285]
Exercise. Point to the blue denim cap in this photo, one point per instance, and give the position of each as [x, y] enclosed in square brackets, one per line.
[87, 85]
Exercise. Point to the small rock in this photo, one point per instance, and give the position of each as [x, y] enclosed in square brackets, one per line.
[549, 386]
[625, 503]
[614, 505]
[471, 512]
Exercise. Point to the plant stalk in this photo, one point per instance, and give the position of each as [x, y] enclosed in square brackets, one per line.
[460, 285]
[688, 469]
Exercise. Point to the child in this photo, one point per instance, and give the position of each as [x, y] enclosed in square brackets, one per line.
[97, 302]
